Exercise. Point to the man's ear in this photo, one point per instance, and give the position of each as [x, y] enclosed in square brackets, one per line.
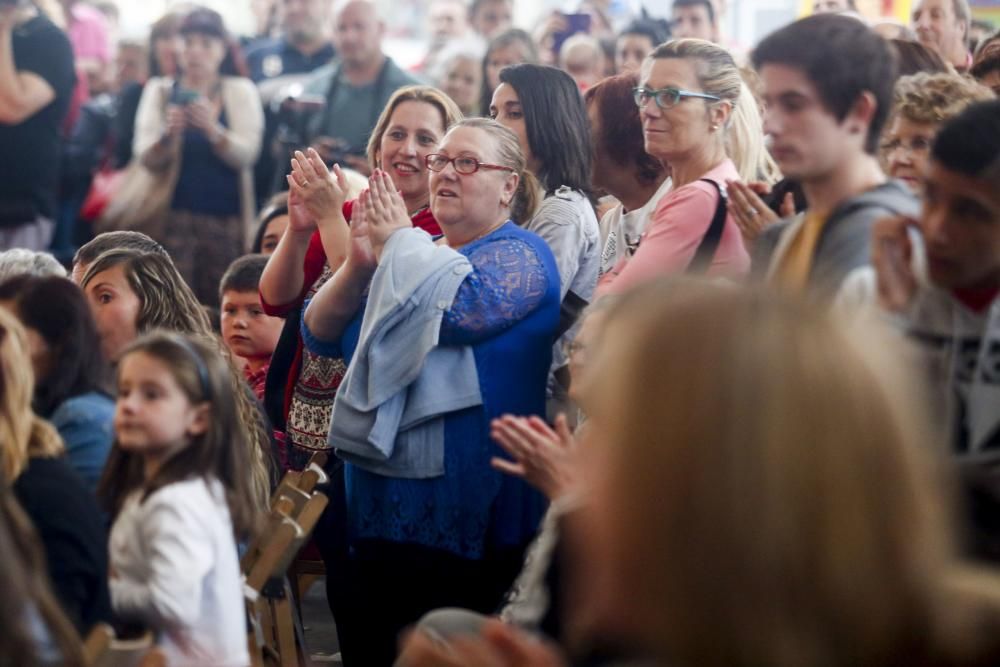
[862, 113]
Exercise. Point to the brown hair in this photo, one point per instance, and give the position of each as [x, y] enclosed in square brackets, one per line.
[23, 435]
[913, 57]
[620, 127]
[166, 302]
[508, 150]
[204, 376]
[779, 510]
[450, 113]
[935, 98]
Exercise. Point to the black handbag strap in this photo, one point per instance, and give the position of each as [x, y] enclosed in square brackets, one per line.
[705, 252]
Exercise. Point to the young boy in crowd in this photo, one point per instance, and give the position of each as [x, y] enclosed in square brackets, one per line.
[938, 275]
[828, 83]
[247, 331]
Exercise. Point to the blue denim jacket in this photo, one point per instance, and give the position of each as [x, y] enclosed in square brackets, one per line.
[85, 424]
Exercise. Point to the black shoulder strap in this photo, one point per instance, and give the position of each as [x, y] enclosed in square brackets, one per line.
[710, 242]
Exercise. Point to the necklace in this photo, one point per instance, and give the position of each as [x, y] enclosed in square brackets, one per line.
[476, 238]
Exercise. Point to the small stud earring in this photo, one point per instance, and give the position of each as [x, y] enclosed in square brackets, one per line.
[715, 127]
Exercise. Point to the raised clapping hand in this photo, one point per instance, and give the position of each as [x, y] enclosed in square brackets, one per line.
[496, 645]
[321, 192]
[542, 456]
[750, 212]
[386, 211]
[891, 258]
[360, 254]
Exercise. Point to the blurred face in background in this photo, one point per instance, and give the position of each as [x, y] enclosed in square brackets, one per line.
[938, 27]
[132, 64]
[493, 17]
[461, 82]
[630, 50]
[357, 33]
[202, 55]
[303, 20]
[447, 19]
[497, 59]
[693, 22]
[167, 52]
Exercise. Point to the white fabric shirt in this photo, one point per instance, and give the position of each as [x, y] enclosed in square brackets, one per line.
[622, 230]
[176, 570]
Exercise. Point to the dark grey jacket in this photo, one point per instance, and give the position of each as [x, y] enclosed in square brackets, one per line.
[845, 242]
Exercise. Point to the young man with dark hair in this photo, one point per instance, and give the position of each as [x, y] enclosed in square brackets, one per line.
[828, 87]
[694, 18]
[938, 276]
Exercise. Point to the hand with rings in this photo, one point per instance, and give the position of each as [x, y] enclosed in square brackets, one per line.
[750, 212]
[321, 192]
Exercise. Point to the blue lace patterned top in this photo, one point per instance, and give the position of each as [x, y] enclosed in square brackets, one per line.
[507, 310]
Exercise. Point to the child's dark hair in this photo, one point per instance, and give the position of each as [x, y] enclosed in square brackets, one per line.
[969, 143]
[276, 207]
[843, 58]
[656, 31]
[243, 275]
[204, 377]
[58, 311]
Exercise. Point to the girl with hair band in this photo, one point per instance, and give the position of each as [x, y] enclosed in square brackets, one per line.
[699, 117]
[179, 495]
[132, 293]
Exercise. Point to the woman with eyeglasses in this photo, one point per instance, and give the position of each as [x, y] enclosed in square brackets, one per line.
[922, 103]
[440, 337]
[700, 118]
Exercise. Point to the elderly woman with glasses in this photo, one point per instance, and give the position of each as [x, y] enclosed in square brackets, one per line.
[441, 336]
[699, 118]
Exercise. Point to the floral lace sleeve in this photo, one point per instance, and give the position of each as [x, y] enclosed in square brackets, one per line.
[507, 283]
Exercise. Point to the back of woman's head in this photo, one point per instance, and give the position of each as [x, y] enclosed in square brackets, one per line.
[719, 75]
[166, 301]
[203, 375]
[765, 474]
[58, 311]
[22, 434]
[619, 134]
[507, 153]
[556, 122]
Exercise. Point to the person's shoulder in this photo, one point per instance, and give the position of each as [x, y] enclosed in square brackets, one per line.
[52, 482]
[397, 76]
[93, 406]
[890, 198]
